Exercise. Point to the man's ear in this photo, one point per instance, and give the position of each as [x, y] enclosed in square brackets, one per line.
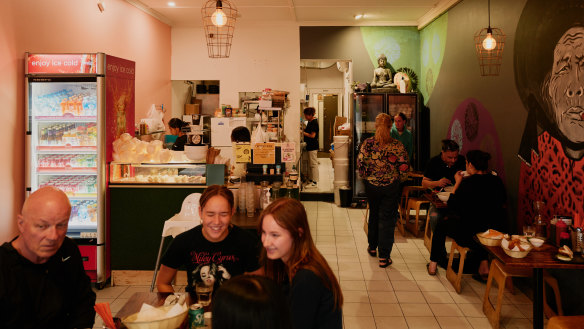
[20, 222]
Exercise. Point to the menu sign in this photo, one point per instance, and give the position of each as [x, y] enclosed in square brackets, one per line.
[62, 63]
[242, 153]
[264, 153]
[288, 152]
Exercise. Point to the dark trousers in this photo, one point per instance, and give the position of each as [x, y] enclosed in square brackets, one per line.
[383, 205]
[455, 228]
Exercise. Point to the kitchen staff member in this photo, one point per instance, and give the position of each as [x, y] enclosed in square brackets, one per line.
[175, 126]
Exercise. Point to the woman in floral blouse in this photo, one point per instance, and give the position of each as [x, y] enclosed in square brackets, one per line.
[383, 163]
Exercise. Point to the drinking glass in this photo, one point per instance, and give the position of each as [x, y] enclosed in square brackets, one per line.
[528, 231]
[204, 293]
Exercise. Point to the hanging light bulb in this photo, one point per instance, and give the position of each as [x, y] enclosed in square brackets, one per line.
[219, 18]
[489, 43]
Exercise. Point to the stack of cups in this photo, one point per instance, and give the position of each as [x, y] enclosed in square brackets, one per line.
[340, 165]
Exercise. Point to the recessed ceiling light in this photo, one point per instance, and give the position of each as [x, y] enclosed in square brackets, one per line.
[171, 4]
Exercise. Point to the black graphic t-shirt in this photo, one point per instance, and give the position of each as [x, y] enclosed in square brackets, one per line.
[213, 262]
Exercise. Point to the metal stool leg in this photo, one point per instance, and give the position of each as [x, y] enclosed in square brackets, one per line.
[157, 264]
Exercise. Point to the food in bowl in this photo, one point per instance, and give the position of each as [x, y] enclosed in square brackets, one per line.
[536, 242]
[515, 248]
[443, 196]
[490, 238]
[158, 318]
[448, 189]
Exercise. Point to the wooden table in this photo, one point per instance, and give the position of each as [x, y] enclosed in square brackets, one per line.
[242, 220]
[438, 204]
[537, 259]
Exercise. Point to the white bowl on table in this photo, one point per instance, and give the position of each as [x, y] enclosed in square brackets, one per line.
[443, 196]
[449, 189]
[536, 242]
[515, 253]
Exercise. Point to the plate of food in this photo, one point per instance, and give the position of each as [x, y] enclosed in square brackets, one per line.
[566, 255]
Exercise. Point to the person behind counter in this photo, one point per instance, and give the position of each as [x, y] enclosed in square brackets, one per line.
[214, 251]
[175, 125]
[239, 135]
[250, 302]
[42, 280]
[311, 138]
[291, 259]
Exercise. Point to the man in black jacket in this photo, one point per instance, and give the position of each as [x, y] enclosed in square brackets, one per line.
[42, 280]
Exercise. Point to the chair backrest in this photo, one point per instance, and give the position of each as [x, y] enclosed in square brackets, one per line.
[190, 207]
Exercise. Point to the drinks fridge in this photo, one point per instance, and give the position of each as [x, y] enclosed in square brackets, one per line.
[77, 104]
[365, 107]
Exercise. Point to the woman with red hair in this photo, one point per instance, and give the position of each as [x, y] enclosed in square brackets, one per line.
[290, 258]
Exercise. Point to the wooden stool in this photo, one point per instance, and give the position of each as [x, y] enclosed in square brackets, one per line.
[500, 273]
[455, 278]
[566, 322]
[428, 234]
[553, 283]
[414, 204]
[404, 215]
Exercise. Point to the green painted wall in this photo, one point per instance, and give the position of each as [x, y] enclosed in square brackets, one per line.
[432, 48]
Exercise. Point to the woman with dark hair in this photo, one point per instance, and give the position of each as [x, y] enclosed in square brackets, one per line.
[476, 204]
[250, 302]
[175, 126]
[216, 243]
[383, 164]
[290, 258]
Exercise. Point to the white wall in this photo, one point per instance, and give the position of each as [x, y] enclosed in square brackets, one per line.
[261, 57]
[322, 78]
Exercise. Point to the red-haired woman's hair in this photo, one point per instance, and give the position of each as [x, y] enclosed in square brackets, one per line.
[290, 215]
[383, 124]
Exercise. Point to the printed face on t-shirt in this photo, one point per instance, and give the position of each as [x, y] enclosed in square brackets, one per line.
[216, 218]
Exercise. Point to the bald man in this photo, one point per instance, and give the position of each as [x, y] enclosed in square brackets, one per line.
[42, 280]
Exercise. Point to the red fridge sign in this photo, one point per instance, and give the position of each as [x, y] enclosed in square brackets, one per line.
[62, 63]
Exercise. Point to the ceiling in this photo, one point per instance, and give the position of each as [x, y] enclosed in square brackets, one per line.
[187, 13]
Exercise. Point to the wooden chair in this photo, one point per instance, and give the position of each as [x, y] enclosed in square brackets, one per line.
[566, 322]
[428, 234]
[455, 278]
[553, 283]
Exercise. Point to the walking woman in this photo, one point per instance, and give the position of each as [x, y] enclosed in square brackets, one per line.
[290, 258]
[383, 163]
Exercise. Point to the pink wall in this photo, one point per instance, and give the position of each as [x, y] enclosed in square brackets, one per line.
[70, 26]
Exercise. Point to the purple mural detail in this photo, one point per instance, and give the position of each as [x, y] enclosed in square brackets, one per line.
[477, 133]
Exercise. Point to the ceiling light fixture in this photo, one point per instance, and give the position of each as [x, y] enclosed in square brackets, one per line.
[100, 6]
[171, 4]
[219, 21]
[489, 44]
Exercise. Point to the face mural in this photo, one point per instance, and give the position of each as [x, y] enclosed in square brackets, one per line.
[566, 83]
[549, 63]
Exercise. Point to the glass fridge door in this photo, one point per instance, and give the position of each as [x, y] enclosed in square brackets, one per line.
[365, 108]
[63, 126]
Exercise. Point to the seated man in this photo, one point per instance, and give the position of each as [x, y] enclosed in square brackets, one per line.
[476, 204]
[214, 251]
[42, 280]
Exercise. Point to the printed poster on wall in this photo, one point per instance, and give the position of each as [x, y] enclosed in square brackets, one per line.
[242, 153]
[264, 153]
[288, 152]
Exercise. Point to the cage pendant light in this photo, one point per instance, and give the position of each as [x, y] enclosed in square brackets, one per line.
[219, 21]
[489, 44]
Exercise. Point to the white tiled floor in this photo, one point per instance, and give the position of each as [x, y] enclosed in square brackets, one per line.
[401, 296]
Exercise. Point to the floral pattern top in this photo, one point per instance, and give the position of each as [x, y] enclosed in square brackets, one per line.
[382, 165]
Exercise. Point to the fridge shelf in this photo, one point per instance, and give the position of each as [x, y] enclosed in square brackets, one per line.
[67, 171]
[79, 226]
[66, 118]
[82, 198]
[56, 148]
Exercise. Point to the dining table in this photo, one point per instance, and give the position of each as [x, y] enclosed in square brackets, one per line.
[538, 259]
[433, 198]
